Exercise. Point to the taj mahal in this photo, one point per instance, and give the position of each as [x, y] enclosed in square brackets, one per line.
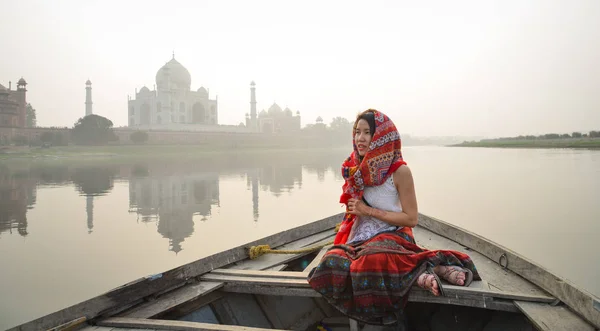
[174, 106]
[172, 103]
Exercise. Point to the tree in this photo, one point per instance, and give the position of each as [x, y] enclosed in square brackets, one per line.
[47, 137]
[139, 137]
[31, 117]
[59, 139]
[93, 130]
[340, 124]
[96, 180]
[550, 136]
[576, 134]
[20, 140]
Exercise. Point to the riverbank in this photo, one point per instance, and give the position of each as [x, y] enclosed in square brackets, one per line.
[121, 152]
[580, 143]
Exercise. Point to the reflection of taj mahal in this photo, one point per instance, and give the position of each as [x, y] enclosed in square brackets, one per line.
[172, 101]
[174, 201]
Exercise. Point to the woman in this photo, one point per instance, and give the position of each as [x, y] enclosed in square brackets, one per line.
[374, 261]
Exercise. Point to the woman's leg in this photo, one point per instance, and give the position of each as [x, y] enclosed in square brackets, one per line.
[429, 282]
[454, 275]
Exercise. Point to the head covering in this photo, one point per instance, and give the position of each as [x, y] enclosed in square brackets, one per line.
[380, 161]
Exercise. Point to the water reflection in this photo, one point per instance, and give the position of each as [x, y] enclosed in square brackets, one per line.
[279, 178]
[17, 194]
[91, 182]
[239, 198]
[174, 202]
[173, 194]
[320, 166]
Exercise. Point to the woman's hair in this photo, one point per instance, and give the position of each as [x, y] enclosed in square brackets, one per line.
[368, 116]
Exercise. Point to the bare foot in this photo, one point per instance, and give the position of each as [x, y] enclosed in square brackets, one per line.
[428, 282]
[452, 274]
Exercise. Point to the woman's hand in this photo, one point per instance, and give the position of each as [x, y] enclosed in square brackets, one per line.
[357, 207]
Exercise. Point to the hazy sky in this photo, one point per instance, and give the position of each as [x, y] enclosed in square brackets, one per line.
[436, 67]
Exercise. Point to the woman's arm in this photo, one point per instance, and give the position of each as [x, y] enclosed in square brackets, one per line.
[404, 183]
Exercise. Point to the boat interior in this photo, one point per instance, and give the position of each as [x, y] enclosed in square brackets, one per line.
[230, 291]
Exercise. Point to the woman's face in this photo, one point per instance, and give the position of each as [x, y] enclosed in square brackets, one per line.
[362, 137]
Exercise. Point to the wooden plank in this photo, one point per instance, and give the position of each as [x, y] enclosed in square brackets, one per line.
[264, 304]
[304, 275]
[108, 328]
[317, 259]
[271, 260]
[353, 325]
[70, 325]
[552, 318]
[260, 273]
[277, 267]
[464, 300]
[125, 322]
[254, 280]
[579, 300]
[336, 320]
[307, 320]
[290, 313]
[176, 298]
[301, 282]
[223, 311]
[172, 300]
[270, 290]
[326, 308]
[204, 314]
[94, 328]
[181, 311]
[499, 278]
[241, 309]
[146, 286]
[416, 295]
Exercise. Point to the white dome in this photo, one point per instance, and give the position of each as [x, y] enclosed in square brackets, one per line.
[275, 109]
[178, 75]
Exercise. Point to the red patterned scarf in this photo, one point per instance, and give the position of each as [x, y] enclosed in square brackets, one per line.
[381, 160]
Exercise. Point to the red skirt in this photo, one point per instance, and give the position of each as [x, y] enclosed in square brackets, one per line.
[369, 281]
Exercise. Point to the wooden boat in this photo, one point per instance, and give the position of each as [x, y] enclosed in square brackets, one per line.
[229, 291]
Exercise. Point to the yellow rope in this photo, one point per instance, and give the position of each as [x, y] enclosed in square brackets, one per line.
[256, 251]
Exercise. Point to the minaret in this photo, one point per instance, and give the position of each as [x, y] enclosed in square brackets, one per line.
[88, 98]
[22, 100]
[255, 197]
[89, 209]
[253, 121]
[252, 183]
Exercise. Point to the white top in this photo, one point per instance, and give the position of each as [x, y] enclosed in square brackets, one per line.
[384, 197]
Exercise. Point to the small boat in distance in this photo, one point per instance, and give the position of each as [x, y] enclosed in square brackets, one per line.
[230, 291]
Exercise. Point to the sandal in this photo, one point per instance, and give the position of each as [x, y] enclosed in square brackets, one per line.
[450, 272]
[421, 281]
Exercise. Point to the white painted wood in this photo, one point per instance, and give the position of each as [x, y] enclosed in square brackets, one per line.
[124, 322]
[552, 318]
[271, 260]
[317, 259]
[136, 290]
[254, 278]
[173, 299]
[577, 299]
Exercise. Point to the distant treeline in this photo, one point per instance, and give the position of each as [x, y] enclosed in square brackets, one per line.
[591, 134]
[590, 140]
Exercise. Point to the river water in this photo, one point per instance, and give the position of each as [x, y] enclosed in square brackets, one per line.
[72, 230]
